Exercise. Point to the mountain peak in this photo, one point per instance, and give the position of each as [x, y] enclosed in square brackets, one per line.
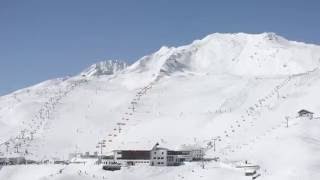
[108, 67]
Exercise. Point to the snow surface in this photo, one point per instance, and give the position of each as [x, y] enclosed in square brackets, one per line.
[236, 86]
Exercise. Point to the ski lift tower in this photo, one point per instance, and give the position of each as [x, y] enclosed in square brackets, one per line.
[101, 145]
[133, 103]
[119, 126]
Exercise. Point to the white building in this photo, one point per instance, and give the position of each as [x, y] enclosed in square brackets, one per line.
[165, 157]
[196, 152]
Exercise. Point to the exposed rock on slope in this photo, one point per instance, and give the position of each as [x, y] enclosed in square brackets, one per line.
[109, 67]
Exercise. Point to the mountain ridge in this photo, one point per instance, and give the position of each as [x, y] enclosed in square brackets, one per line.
[180, 97]
[240, 54]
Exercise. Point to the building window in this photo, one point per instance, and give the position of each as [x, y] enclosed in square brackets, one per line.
[162, 153]
[161, 157]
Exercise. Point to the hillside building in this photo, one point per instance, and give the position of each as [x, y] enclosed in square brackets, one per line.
[305, 114]
[157, 156]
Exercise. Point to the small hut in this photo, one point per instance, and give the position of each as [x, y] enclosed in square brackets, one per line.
[305, 114]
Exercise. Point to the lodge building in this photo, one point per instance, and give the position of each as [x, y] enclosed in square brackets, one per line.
[157, 156]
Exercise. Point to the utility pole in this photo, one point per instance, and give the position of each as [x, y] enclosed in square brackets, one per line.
[287, 121]
[202, 153]
[101, 145]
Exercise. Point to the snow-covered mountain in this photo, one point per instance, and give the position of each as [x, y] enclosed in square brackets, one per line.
[236, 86]
[239, 54]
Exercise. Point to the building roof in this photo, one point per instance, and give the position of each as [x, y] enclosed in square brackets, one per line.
[303, 111]
[134, 154]
[161, 148]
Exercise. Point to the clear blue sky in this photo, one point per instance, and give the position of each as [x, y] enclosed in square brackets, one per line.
[45, 39]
